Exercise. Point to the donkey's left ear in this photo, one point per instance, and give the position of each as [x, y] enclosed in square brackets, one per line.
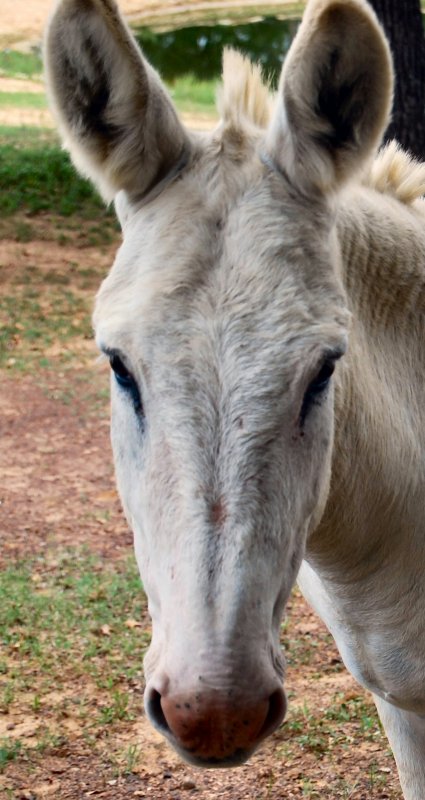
[334, 97]
[114, 115]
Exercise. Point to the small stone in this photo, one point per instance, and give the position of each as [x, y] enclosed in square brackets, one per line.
[188, 785]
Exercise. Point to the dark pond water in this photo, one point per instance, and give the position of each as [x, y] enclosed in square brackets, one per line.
[197, 49]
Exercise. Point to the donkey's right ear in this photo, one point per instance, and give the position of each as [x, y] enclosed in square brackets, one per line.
[113, 112]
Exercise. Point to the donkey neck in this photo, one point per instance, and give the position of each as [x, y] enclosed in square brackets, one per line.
[383, 249]
[378, 474]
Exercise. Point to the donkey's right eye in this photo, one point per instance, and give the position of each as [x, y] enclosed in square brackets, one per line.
[123, 376]
[125, 380]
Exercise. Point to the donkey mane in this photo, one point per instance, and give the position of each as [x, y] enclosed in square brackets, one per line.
[396, 173]
[245, 99]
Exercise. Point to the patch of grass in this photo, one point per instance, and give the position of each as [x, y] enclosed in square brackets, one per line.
[358, 711]
[125, 760]
[305, 649]
[23, 231]
[42, 178]
[74, 598]
[119, 709]
[45, 313]
[194, 96]
[15, 64]
[74, 621]
[319, 731]
[48, 740]
[37, 319]
[10, 749]
[22, 100]
[308, 789]
[28, 136]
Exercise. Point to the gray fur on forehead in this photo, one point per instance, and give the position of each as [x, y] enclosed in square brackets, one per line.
[229, 239]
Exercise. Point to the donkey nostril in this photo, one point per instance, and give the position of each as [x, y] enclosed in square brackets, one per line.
[275, 714]
[155, 712]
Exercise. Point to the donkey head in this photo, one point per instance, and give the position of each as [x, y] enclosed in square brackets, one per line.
[223, 317]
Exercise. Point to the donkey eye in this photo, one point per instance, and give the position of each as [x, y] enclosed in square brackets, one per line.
[123, 376]
[125, 379]
[317, 387]
[323, 377]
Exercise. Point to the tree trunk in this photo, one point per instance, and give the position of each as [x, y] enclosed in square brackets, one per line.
[402, 22]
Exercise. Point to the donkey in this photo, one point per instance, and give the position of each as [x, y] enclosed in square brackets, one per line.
[264, 321]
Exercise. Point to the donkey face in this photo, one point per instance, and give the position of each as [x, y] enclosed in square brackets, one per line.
[223, 344]
[223, 318]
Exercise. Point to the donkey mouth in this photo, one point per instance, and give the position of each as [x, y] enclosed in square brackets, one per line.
[236, 759]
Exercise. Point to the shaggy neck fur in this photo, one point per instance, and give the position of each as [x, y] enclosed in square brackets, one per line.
[379, 429]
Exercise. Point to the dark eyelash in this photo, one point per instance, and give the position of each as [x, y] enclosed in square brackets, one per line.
[317, 387]
[126, 381]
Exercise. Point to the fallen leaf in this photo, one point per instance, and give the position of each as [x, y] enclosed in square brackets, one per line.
[133, 623]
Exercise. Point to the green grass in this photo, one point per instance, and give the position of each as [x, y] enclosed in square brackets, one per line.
[339, 725]
[66, 622]
[73, 634]
[45, 314]
[65, 605]
[33, 318]
[16, 64]
[42, 178]
[23, 100]
[10, 750]
[28, 136]
[194, 96]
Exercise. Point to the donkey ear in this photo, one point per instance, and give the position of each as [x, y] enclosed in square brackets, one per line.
[335, 95]
[113, 113]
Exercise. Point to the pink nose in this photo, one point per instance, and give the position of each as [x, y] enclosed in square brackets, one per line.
[211, 728]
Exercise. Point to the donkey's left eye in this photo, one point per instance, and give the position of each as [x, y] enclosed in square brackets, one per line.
[125, 379]
[317, 386]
